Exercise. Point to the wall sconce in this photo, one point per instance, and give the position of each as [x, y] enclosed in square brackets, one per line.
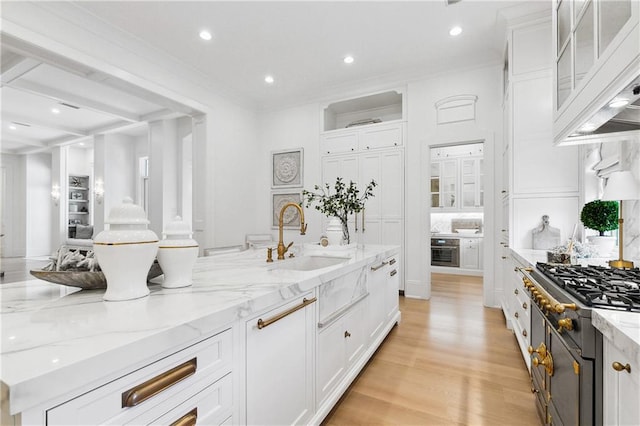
[55, 194]
[98, 191]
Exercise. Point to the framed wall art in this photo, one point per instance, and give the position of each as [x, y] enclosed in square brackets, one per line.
[287, 168]
[291, 218]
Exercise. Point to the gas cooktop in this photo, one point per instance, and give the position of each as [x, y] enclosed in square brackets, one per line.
[597, 286]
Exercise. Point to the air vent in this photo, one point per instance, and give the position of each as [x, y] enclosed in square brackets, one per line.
[69, 105]
[450, 2]
[21, 124]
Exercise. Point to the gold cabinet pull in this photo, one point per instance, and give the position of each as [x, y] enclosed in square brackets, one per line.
[347, 334]
[516, 315]
[524, 306]
[375, 268]
[146, 390]
[515, 291]
[392, 273]
[263, 323]
[565, 324]
[392, 261]
[355, 215]
[189, 419]
[619, 367]
[363, 221]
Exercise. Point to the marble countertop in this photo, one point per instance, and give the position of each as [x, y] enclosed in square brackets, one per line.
[622, 328]
[530, 257]
[454, 235]
[56, 339]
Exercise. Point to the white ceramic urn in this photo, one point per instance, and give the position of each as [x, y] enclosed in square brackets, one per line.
[177, 254]
[334, 232]
[126, 252]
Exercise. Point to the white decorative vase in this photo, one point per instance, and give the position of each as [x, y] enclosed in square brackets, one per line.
[125, 252]
[177, 254]
[334, 232]
[602, 245]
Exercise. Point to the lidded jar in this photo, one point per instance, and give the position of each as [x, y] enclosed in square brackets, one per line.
[126, 252]
[177, 254]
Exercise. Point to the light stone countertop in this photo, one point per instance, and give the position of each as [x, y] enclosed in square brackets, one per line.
[622, 328]
[56, 339]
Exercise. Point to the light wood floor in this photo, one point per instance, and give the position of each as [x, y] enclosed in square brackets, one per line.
[449, 362]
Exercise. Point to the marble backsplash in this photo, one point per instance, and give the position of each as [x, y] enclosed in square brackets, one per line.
[442, 222]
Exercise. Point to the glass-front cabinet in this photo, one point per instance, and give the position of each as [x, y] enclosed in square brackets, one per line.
[596, 45]
[456, 177]
[78, 202]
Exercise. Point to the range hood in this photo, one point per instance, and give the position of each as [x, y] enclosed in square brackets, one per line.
[620, 114]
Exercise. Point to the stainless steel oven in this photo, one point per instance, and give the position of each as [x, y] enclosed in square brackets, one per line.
[445, 252]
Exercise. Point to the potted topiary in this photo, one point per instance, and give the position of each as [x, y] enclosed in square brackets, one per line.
[601, 216]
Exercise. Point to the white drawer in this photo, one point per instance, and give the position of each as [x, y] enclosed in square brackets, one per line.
[151, 389]
[212, 406]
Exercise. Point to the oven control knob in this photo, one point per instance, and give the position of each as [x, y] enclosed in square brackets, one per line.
[565, 323]
[542, 350]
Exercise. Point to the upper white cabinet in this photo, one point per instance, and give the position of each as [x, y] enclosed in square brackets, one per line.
[596, 46]
[364, 123]
[456, 180]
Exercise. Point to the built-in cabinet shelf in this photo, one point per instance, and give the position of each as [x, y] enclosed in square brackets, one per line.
[78, 202]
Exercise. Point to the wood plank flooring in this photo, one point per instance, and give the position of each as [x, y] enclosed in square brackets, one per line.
[450, 362]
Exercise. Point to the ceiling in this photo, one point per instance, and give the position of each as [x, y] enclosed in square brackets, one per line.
[300, 43]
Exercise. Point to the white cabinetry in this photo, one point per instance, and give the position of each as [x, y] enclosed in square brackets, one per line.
[470, 253]
[280, 364]
[621, 387]
[597, 53]
[456, 178]
[197, 378]
[79, 203]
[517, 309]
[364, 138]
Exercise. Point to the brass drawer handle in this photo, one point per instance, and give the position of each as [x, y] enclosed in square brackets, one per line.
[262, 324]
[516, 315]
[515, 291]
[347, 334]
[524, 305]
[393, 272]
[619, 367]
[524, 333]
[375, 268]
[392, 261]
[189, 419]
[146, 390]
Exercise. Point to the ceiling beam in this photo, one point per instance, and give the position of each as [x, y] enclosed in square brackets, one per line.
[15, 66]
[70, 98]
[36, 122]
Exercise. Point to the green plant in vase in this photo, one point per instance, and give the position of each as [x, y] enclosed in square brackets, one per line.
[601, 216]
[342, 202]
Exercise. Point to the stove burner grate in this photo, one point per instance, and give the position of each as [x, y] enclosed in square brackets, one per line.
[597, 286]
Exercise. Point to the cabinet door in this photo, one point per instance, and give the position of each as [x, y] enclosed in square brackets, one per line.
[339, 143]
[381, 137]
[449, 184]
[371, 169]
[355, 333]
[279, 368]
[469, 256]
[391, 184]
[331, 359]
[621, 388]
[392, 283]
[376, 283]
[469, 182]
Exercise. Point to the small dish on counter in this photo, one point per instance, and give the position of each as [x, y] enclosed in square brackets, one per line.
[86, 280]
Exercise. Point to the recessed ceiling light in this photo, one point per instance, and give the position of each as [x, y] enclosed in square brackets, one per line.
[55, 110]
[269, 79]
[348, 59]
[455, 31]
[205, 35]
[618, 103]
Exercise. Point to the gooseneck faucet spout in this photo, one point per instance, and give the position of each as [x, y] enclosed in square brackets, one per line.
[303, 228]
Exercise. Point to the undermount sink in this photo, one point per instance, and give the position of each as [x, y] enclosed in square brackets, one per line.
[308, 263]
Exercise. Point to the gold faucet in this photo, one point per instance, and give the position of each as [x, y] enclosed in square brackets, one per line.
[303, 228]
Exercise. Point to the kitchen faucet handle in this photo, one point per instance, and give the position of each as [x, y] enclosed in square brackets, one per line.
[303, 229]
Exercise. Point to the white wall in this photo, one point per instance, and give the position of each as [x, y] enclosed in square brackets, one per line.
[289, 129]
[14, 205]
[38, 212]
[424, 133]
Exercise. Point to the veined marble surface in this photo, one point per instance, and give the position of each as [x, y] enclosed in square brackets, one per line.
[530, 257]
[57, 339]
[622, 328]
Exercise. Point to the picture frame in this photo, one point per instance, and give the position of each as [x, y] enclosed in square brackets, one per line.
[287, 168]
[291, 219]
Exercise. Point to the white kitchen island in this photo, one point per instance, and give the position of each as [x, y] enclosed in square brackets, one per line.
[68, 357]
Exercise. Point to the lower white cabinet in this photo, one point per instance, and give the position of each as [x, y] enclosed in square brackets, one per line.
[280, 348]
[392, 272]
[621, 386]
[517, 308]
[339, 345]
[196, 378]
[470, 253]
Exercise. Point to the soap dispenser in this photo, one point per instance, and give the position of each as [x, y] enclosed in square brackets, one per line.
[177, 254]
[126, 252]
